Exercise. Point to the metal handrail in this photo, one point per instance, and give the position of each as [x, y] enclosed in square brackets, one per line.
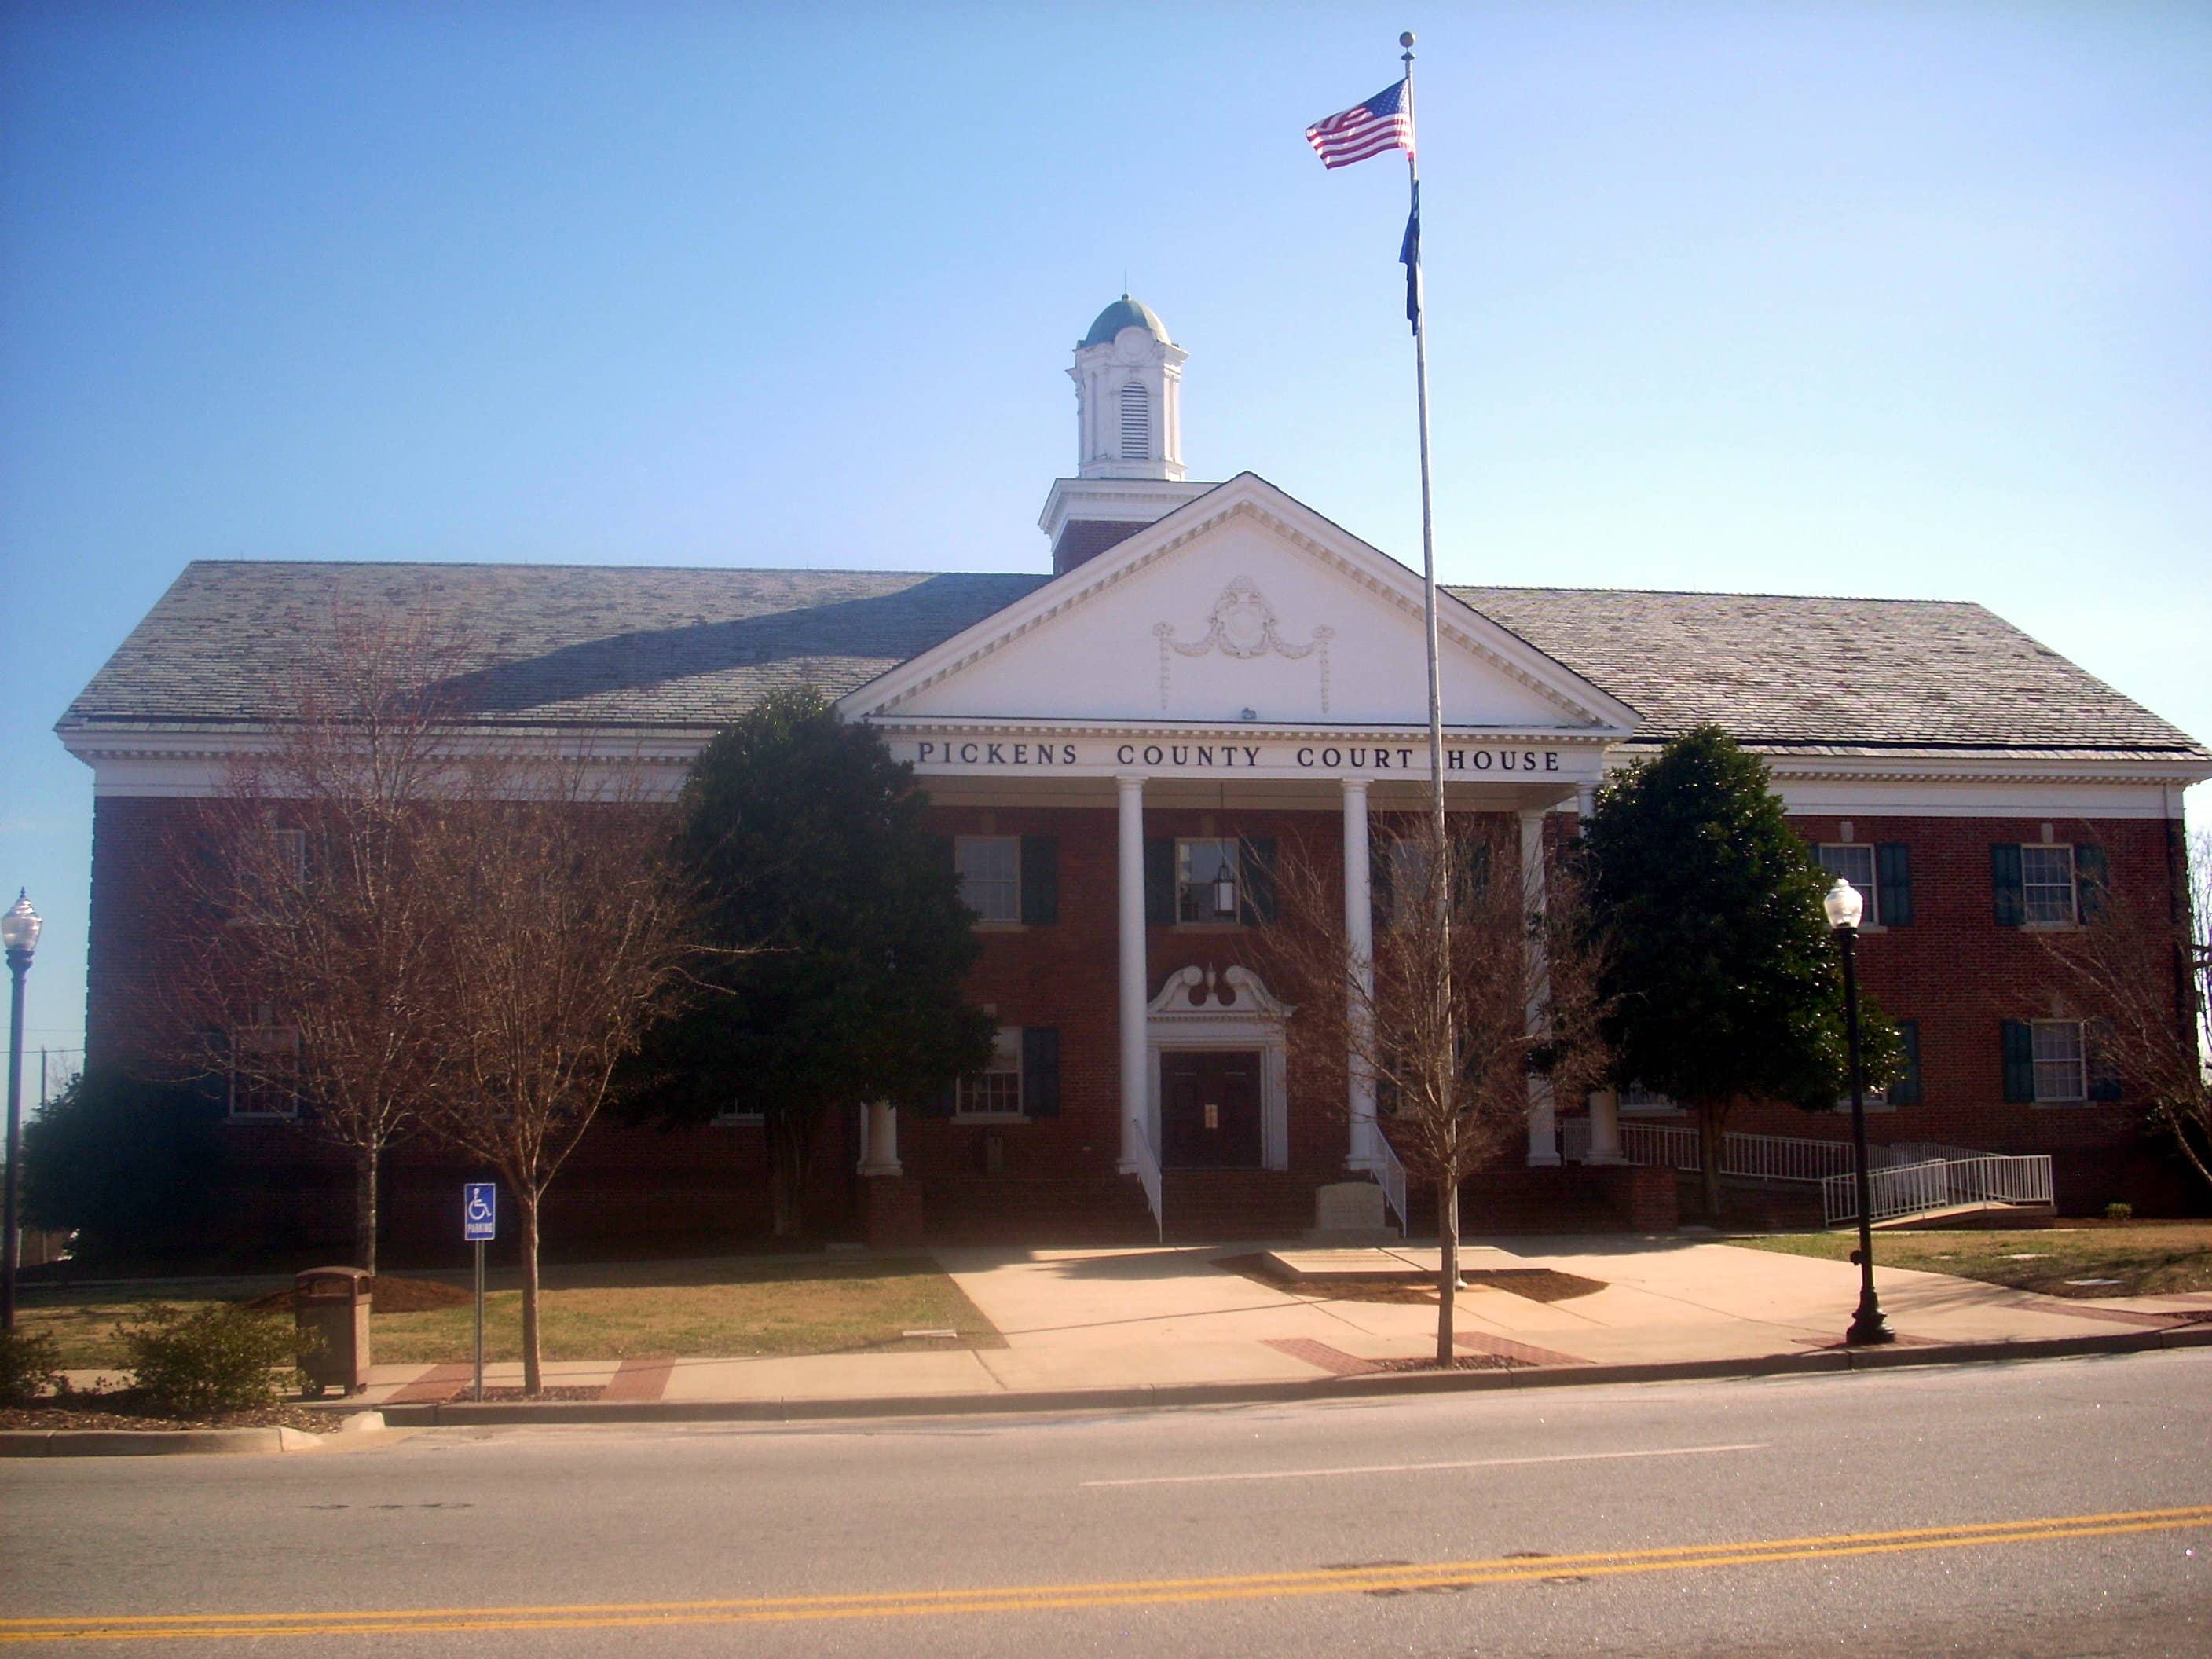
[1390, 1176]
[1148, 1172]
[1939, 1183]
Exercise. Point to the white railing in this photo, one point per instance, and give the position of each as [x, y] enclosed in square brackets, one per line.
[1148, 1172]
[1783, 1158]
[1939, 1183]
[1390, 1176]
[1662, 1146]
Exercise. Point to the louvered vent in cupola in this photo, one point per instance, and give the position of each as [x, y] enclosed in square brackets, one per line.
[1136, 423]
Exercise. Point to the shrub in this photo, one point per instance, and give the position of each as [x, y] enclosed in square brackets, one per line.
[2119, 1212]
[30, 1366]
[128, 1165]
[216, 1358]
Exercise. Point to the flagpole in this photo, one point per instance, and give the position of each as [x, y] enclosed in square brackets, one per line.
[1428, 519]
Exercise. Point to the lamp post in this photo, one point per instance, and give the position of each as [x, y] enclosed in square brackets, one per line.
[1844, 906]
[19, 931]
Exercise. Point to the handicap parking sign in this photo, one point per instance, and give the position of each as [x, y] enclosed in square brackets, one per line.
[479, 1212]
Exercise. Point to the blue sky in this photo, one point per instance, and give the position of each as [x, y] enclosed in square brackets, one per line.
[1791, 297]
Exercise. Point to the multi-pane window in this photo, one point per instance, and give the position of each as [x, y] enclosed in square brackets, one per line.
[1208, 879]
[1854, 862]
[1635, 1098]
[996, 1090]
[990, 868]
[2061, 1073]
[265, 1066]
[2046, 877]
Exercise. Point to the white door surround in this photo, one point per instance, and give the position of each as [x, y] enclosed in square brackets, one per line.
[1200, 1008]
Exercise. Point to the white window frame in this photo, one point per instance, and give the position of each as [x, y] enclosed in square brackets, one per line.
[1012, 885]
[261, 1039]
[1211, 918]
[2072, 884]
[1637, 1100]
[1871, 887]
[988, 1090]
[2078, 1062]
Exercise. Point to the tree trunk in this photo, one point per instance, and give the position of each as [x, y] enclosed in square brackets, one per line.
[1447, 1264]
[364, 1209]
[1712, 1120]
[533, 1362]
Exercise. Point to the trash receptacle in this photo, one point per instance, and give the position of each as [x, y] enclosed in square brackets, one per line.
[330, 1305]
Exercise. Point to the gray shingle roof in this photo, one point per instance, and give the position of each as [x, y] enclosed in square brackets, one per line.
[555, 644]
[690, 648]
[1843, 675]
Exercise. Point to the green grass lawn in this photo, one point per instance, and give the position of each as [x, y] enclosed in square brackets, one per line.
[627, 1310]
[2144, 1256]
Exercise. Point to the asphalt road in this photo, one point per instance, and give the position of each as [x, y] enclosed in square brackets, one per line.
[2059, 1508]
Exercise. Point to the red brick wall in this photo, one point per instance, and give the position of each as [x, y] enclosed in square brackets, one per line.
[1953, 970]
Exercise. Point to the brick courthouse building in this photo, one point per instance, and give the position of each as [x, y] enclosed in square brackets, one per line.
[1211, 673]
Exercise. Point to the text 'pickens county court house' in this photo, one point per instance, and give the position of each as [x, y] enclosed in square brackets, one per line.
[1116, 751]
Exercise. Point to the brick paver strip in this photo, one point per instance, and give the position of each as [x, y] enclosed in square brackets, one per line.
[1504, 1347]
[639, 1379]
[1334, 1361]
[435, 1386]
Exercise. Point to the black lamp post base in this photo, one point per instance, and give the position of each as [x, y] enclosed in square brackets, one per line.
[1868, 1329]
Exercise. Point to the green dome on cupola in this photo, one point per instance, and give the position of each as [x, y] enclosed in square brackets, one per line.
[1125, 312]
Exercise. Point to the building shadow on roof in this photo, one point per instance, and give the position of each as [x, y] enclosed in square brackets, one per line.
[836, 645]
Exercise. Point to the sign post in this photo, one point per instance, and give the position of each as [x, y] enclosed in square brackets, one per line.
[479, 1225]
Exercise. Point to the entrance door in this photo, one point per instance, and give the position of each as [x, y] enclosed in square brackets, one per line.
[1209, 1110]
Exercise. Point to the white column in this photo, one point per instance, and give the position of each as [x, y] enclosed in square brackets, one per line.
[880, 1140]
[1605, 1127]
[1360, 938]
[1543, 1133]
[1135, 1105]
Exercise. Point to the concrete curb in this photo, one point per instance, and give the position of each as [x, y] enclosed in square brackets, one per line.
[170, 1443]
[1387, 1385]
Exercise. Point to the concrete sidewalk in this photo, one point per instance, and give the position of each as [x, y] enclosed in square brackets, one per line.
[1120, 1323]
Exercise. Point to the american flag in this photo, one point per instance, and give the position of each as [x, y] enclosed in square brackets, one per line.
[1382, 123]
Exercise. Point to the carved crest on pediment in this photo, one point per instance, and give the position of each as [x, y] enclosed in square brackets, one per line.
[1242, 624]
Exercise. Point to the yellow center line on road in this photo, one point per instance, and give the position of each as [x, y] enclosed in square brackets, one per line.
[1382, 1578]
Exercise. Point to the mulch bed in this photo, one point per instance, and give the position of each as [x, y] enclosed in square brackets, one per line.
[387, 1294]
[1413, 1288]
[119, 1408]
[1465, 1362]
[506, 1395]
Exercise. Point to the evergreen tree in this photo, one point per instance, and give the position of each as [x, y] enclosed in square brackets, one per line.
[840, 941]
[1724, 982]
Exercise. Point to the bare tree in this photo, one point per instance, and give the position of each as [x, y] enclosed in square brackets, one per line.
[568, 935]
[303, 954]
[2141, 975]
[1480, 986]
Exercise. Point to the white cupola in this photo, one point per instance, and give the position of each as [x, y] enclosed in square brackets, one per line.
[1128, 394]
[1128, 425]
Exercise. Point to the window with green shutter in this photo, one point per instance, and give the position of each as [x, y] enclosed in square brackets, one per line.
[1040, 881]
[2009, 886]
[2018, 1048]
[1041, 1070]
[1892, 883]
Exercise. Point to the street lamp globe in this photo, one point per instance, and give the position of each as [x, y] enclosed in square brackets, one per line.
[1845, 904]
[19, 928]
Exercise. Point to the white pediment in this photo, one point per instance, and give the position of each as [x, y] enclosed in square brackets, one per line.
[1240, 605]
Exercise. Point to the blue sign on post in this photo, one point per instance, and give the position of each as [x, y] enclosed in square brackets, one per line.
[479, 1212]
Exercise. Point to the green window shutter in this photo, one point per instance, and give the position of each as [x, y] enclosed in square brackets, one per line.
[1256, 857]
[1906, 1089]
[1892, 883]
[2019, 1061]
[2104, 1072]
[1474, 869]
[1159, 881]
[2005, 879]
[1040, 880]
[1041, 1071]
[2091, 879]
[1381, 883]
